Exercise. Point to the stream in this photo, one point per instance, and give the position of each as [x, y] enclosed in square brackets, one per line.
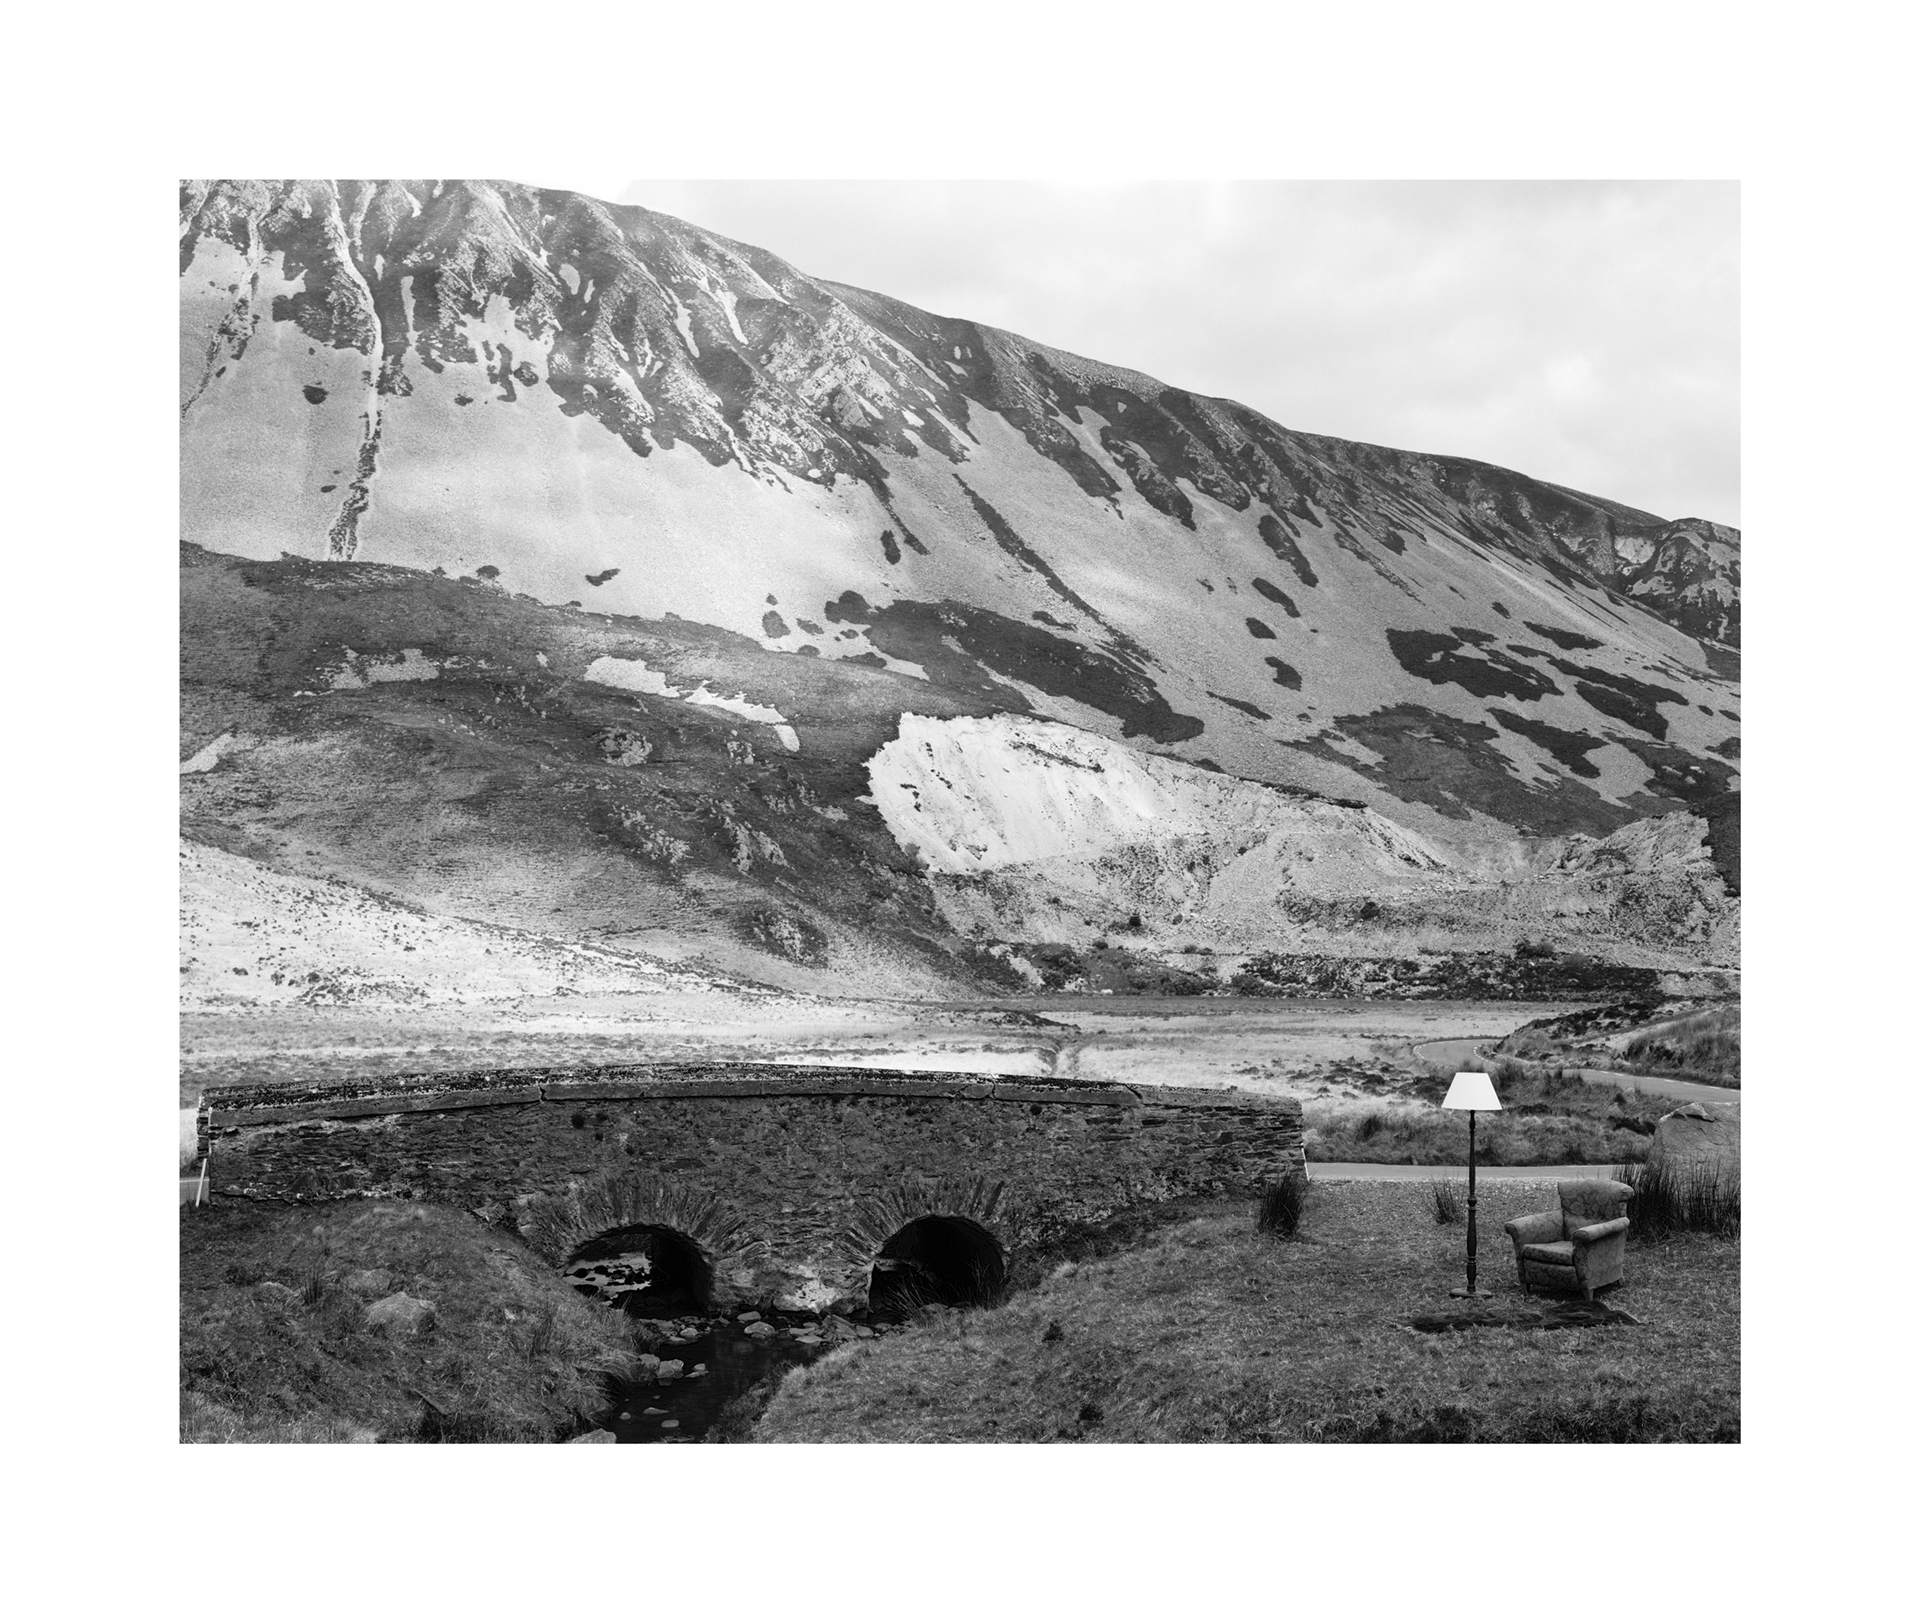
[720, 1359]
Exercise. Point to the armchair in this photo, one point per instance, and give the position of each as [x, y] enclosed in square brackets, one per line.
[1580, 1245]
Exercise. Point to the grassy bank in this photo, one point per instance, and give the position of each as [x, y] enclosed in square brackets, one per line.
[277, 1344]
[1549, 1120]
[1653, 1038]
[1213, 1332]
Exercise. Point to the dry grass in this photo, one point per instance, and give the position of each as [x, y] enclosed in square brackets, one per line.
[1672, 1198]
[1705, 1047]
[1653, 1037]
[1283, 1205]
[1213, 1332]
[1550, 1120]
[275, 1346]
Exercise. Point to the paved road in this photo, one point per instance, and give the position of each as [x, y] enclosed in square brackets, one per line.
[1399, 1173]
[1460, 1053]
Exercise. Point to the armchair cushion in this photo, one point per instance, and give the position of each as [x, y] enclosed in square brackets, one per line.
[1559, 1252]
[1537, 1227]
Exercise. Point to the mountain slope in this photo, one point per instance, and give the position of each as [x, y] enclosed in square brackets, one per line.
[418, 788]
[612, 408]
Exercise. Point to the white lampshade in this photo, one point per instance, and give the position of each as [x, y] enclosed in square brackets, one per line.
[1471, 1091]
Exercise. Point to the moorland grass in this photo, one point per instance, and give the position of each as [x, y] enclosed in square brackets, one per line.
[1701, 1044]
[1211, 1331]
[1704, 1047]
[1674, 1198]
[1549, 1119]
[275, 1346]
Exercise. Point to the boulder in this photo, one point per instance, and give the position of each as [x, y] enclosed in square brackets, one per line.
[759, 1328]
[400, 1315]
[370, 1283]
[801, 1290]
[598, 1436]
[1699, 1135]
[272, 1294]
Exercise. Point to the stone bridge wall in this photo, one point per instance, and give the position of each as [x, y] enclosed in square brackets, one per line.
[800, 1154]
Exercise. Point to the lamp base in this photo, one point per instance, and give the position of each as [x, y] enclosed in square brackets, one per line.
[1461, 1291]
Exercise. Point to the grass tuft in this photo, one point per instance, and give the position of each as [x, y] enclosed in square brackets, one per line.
[1701, 1198]
[1282, 1204]
[1449, 1201]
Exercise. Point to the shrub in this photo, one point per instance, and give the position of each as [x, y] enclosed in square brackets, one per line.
[1449, 1204]
[1282, 1204]
[1669, 1199]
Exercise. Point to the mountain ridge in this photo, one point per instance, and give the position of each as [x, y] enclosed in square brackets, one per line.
[454, 425]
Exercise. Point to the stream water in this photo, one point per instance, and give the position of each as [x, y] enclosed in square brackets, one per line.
[720, 1360]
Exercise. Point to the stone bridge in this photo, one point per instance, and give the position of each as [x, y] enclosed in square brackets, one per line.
[795, 1187]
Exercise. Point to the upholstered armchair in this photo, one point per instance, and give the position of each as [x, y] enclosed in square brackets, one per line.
[1581, 1245]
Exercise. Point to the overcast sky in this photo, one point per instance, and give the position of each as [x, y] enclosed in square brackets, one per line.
[1584, 332]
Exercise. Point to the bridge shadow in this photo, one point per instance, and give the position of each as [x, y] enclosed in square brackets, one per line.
[939, 1259]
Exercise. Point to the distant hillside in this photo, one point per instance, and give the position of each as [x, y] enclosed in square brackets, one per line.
[612, 408]
[402, 788]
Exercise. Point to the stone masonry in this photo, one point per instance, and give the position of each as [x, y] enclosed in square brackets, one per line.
[803, 1155]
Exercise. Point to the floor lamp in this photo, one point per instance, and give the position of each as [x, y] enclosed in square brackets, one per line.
[1472, 1092]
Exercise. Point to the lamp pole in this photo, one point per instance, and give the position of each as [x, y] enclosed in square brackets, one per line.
[1473, 1210]
[1472, 1092]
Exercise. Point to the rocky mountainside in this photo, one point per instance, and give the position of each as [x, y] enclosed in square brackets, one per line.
[570, 569]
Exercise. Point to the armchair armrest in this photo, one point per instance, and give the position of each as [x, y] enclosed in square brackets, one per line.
[1590, 1234]
[1535, 1228]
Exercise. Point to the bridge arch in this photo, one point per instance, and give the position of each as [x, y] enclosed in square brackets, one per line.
[941, 1258]
[647, 1269]
[653, 1247]
[924, 1243]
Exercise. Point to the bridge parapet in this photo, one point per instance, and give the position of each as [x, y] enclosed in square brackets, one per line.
[798, 1153]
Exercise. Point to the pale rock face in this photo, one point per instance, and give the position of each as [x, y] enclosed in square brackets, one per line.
[1033, 831]
[973, 794]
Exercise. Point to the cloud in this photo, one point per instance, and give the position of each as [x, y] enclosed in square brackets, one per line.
[1585, 332]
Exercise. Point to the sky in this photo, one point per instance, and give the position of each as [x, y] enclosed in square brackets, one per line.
[1584, 332]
